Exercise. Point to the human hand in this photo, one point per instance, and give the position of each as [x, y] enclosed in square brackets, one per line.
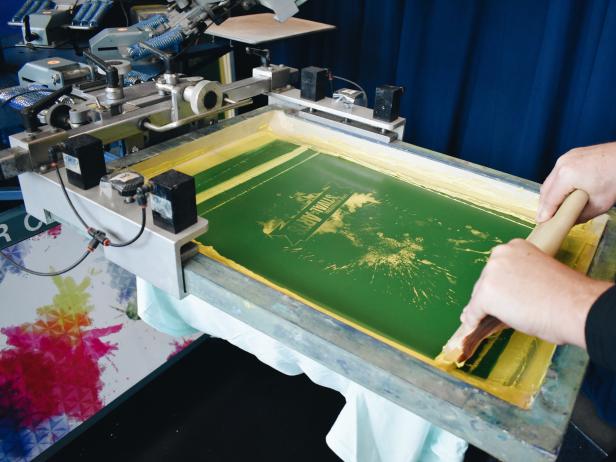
[591, 169]
[533, 293]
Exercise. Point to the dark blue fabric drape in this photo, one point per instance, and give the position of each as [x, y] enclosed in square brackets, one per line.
[510, 84]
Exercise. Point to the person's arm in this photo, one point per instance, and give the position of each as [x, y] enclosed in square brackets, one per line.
[535, 294]
[601, 330]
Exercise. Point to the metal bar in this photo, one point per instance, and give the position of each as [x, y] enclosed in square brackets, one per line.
[246, 88]
[193, 118]
[349, 126]
[357, 113]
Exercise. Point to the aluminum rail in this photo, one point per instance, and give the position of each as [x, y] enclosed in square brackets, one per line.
[187, 120]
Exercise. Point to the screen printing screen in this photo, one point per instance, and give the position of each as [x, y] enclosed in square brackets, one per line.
[394, 259]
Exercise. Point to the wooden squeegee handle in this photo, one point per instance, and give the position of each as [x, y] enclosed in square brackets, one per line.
[548, 237]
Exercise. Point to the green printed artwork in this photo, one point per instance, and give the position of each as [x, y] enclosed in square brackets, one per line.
[387, 255]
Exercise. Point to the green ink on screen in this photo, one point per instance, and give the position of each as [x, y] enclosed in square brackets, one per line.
[393, 257]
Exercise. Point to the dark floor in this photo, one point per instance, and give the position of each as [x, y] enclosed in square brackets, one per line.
[219, 403]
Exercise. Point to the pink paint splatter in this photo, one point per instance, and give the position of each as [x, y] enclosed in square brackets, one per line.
[52, 366]
[55, 231]
[179, 345]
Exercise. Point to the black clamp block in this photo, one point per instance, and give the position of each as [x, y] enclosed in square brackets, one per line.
[173, 199]
[84, 160]
[387, 102]
[314, 83]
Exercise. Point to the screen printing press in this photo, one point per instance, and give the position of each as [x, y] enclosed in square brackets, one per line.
[318, 227]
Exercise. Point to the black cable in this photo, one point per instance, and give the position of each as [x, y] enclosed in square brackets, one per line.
[41, 273]
[5, 102]
[91, 246]
[98, 237]
[68, 199]
[137, 236]
[88, 228]
[123, 6]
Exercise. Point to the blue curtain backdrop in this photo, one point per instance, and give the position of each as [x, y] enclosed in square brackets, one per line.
[510, 84]
[7, 9]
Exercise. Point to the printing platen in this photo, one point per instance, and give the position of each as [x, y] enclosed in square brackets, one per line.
[391, 258]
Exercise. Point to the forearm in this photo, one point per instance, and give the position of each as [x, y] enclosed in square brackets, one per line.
[600, 330]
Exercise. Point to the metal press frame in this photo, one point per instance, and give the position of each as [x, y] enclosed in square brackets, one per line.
[501, 429]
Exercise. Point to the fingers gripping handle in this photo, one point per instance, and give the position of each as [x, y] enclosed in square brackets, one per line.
[548, 237]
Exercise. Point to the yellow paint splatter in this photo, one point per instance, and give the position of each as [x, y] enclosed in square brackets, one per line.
[358, 200]
[305, 198]
[476, 232]
[272, 225]
[335, 224]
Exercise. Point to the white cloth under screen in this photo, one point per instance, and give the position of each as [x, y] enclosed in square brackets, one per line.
[368, 429]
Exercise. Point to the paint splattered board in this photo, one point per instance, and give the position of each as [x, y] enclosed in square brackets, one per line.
[393, 256]
[71, 346]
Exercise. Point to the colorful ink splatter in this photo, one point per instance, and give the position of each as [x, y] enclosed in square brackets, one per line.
[52, 233]
[55, 231]
[50, 374]
[126, 287]
[65, 352]
[17, 254]
[179, 345]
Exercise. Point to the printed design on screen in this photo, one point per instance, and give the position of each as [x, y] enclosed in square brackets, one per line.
[381, 252]
[50, 373]
[334, 210]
